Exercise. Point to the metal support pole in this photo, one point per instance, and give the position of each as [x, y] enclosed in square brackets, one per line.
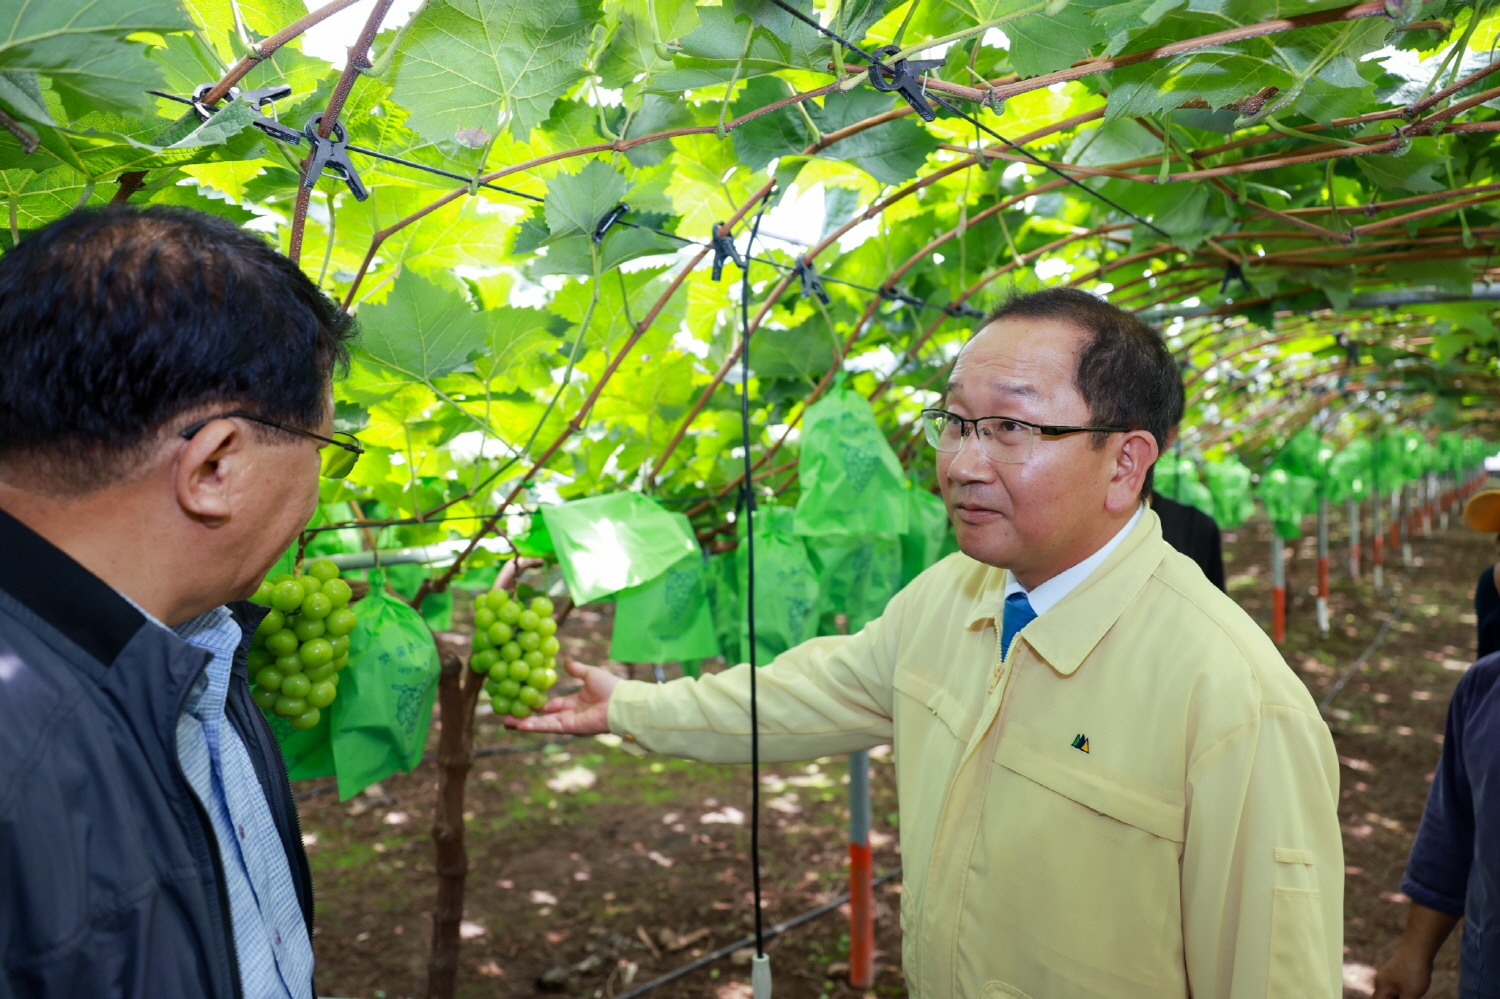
[861, 875]
[1354, 539]
[1323, 566]
[1278, 590]
[1445, 501]
[1404, 520]
[1378, 537]
[1429, 491]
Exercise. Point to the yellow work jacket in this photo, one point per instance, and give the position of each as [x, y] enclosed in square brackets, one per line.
[1138, 803]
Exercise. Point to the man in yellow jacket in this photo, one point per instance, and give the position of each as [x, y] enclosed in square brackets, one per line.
[1111, 784]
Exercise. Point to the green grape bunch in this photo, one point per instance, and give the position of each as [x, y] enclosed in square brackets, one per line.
[516, 646]
[302, 643]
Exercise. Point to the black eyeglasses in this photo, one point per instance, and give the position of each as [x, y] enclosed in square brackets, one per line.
[1002, 439]
[336, 464]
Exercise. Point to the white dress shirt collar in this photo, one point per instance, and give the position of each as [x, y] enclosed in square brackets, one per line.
[1047, 595]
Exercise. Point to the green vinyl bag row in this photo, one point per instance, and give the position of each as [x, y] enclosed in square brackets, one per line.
[378, 725]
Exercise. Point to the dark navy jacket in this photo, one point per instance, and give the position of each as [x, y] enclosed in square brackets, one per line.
[1487, 612]
[1455, 862]
[110, 884]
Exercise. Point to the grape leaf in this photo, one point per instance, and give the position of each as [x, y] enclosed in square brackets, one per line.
[234, 119]
[422, 331]
[515, 335]
[467, 63]
[891, 153]
[760, 140]
[1042, 43]
[795, 353]
[21, 93]
[83, 48]
[577, 201]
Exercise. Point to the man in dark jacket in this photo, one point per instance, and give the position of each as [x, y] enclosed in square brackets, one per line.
[164, 393]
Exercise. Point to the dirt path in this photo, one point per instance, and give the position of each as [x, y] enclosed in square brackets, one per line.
[599, 867]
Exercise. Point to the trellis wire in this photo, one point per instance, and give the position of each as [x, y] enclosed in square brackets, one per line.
[969, 118]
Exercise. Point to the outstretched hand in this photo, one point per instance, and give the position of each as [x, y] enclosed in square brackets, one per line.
[585, 712]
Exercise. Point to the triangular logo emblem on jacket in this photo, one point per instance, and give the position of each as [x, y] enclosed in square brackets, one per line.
[1081, 741]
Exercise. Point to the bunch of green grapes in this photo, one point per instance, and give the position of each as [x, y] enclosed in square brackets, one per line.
[302, 643]
[517, 646]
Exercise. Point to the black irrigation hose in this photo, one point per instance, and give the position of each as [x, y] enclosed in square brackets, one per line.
[769, 932]
[1375, 643]
[749, 509]
[1360, 662]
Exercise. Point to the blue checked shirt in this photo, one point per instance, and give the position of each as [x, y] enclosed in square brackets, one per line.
[270, 935]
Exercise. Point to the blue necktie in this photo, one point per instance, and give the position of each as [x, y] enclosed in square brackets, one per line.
[1018, 614]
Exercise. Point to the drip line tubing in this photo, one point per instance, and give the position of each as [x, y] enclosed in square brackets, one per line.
[768, 933]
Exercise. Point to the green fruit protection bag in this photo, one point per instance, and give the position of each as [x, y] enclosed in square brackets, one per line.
[667, 619]
[927, 533]
[437, 608]
[1176, 478]
[384, 704]
[1349, 472]
[1229, 484]
[1286, 497]
[852, 482]
[786, 586]
[308, 753]
[606, 544]
[723, 586]
[1387, 456]
[857, 576]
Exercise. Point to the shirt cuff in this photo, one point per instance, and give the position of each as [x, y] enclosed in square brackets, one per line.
[1423, 895]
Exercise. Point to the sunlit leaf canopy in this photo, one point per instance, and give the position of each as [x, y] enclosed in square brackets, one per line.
[1302, 195]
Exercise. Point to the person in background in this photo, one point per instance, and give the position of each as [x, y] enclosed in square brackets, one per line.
[1111, 784]
[1482, 513]
[1192, 532]
[1453, 872]
[164, 393]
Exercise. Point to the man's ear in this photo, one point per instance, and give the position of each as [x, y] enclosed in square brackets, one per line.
[1137, 453]
[204, 469]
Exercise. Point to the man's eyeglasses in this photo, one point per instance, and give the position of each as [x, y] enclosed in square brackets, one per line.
[1002, 439]
[336, 464]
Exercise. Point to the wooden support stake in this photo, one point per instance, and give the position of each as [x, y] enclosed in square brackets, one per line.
[458, 693]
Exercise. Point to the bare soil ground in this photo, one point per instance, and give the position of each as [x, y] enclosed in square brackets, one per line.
[594, 870]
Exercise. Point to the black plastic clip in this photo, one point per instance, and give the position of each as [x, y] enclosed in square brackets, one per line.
[892, 295]
[899, 79]
[811, 283]
[608, 221]
[257, 99]
[1233, 272]
[963, 310]
[331, 153]
[724, 250]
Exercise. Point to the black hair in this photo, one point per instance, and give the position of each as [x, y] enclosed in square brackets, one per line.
[1125, 373]
[116, 320]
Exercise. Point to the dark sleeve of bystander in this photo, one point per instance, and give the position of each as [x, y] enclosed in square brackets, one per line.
[1437, 872]
[1192, 532]
[1487, 610]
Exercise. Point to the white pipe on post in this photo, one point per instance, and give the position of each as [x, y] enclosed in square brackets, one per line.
[1323, 566]
[1377, 537]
